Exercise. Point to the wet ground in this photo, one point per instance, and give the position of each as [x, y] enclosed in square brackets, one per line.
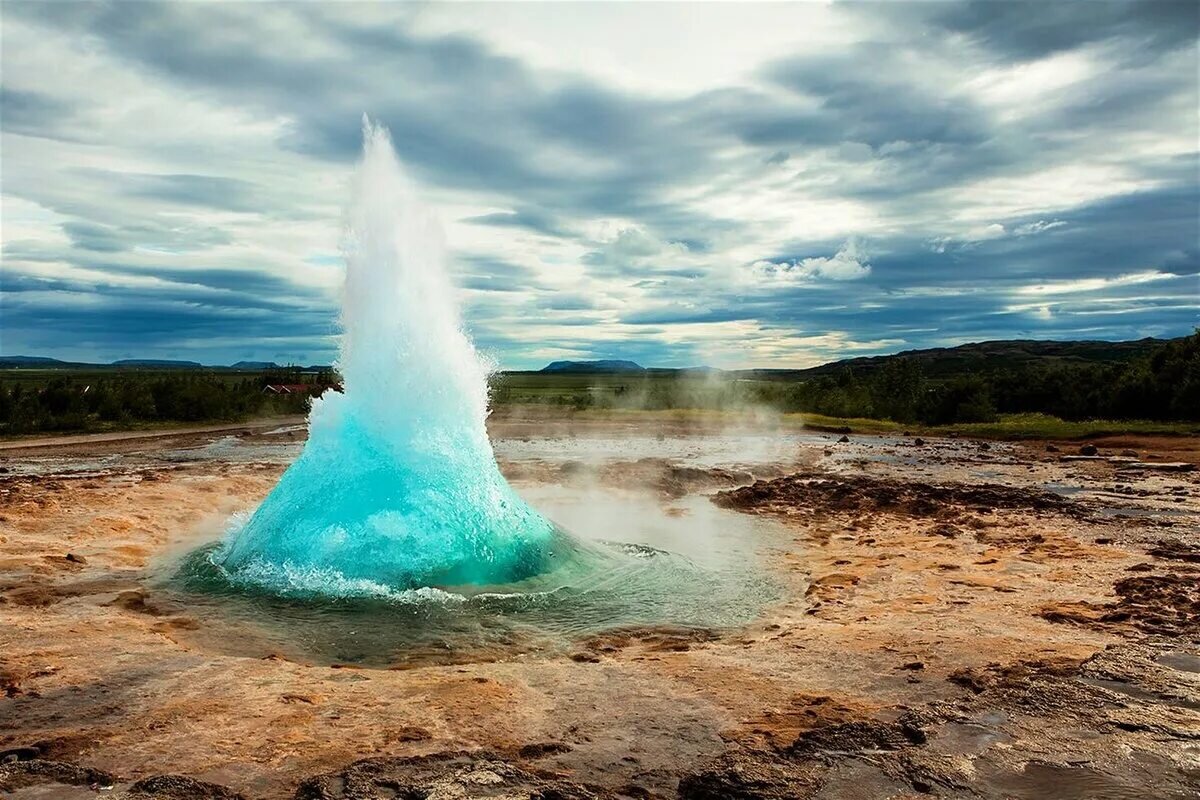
[809, 618]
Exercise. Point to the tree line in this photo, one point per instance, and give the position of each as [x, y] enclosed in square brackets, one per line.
[1164, 385]
[71, 403]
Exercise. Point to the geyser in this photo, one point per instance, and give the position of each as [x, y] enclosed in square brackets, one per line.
[397, 486]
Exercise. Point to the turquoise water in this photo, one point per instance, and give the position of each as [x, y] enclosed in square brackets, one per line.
[397, 487]
[692, 565]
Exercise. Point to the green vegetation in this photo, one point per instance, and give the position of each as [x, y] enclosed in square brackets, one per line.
[975, 358]
[35, 401]
[1162, 383]
[1146, 386]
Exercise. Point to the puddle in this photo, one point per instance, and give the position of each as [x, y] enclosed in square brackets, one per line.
[234, 450]
[49, 466]
[1184, 662]
[965, 738]
[54, 791]
[1041, 781]
[697, 451]
[1064, 489]
[1136, 692]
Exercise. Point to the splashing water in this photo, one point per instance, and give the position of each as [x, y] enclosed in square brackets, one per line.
[397, 486]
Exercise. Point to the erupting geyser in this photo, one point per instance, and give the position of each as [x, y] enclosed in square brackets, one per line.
[397, 486]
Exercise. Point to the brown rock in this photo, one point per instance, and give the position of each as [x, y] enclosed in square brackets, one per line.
[464, 776]
[180, 787]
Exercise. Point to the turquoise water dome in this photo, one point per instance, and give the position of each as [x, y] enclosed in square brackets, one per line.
[397, 486]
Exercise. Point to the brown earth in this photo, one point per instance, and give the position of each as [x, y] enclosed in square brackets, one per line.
[948, 627]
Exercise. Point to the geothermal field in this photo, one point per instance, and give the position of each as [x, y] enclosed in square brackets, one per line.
[777, 614]
[400, 596]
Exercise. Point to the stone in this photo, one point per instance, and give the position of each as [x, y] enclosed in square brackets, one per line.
[459, 775]
[37, 772]
[180, 787]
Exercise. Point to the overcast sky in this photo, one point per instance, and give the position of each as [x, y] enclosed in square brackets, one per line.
[679, 184]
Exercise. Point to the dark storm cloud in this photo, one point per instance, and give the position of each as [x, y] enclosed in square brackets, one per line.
[565, 301]
[673, 315]
[89, 236]
[121, 323]
[60, 315]
[211, 191]
[1024, 29]
[490, 274]
[33, 113]
[233, 290]
[532, 219]
[864, 95]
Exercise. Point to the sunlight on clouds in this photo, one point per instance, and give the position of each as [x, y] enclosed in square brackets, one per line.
[1022, 89]
[1093, 284]
[1048, 190]
[847, 264]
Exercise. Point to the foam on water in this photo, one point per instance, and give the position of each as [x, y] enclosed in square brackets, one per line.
[397, 487]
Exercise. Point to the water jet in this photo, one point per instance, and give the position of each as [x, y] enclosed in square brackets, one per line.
[397, 486]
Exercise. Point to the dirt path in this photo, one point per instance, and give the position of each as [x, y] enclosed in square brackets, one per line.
[71, 441]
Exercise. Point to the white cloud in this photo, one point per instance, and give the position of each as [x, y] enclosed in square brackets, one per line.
[1040, 226]
[847, 264]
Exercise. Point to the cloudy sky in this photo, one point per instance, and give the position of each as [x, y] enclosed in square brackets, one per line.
[680, 184]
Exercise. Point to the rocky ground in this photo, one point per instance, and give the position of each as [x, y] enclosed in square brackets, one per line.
[957, 619]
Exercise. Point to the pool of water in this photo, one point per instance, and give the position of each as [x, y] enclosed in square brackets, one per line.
[627, 561]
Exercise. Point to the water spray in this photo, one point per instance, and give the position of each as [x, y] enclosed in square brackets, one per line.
[397, 485]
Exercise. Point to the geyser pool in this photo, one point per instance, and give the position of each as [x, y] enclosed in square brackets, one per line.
[397, 486]
[638, 563]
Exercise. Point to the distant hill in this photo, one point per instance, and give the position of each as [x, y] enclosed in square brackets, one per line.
[32, 361]
[593, 366]
[945, 361]
[41, 362]
[164, 363]
[935, 362]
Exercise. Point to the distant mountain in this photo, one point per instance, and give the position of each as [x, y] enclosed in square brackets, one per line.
[41, 362]
[593, 366]
[32, 361]
[164, 363]
[254, 365]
